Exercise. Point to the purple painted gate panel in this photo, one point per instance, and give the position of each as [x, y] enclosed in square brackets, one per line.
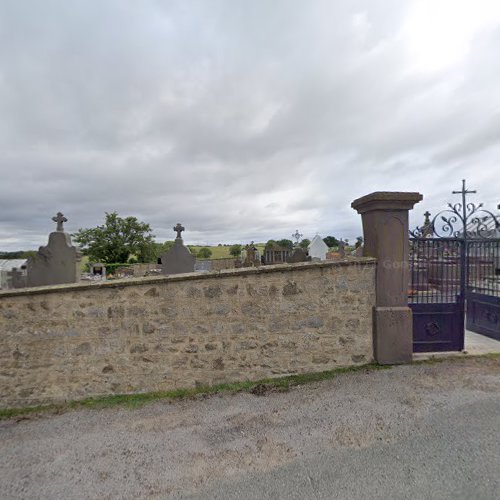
[483, 314]
[438, 327]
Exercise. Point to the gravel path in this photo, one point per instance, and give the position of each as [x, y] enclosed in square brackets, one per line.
[219, 446]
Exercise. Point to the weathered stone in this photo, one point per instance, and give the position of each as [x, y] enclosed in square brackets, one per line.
[116, 311]
[290, 288]
[82, 349]
[212, 291]
[138, 348]
[314, 322]
[232, 290]
[152, 292]
[178, 259]
[358, 358]
[241, 337]
[108, 369]
[56, 263]
[320, 359]
[148, 328]
[218, 364]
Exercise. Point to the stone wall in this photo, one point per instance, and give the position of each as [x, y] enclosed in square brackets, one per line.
[158, 333]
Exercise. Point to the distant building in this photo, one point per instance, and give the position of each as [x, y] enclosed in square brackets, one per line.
[317, 248]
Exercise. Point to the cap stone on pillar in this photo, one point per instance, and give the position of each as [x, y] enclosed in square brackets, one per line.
[385, 228]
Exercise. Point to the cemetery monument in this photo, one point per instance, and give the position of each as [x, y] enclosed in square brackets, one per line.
[178, 259]
[56, 263]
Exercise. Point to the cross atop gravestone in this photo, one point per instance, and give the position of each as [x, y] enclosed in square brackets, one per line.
[178, 229]
[60, 220]
[296, 236]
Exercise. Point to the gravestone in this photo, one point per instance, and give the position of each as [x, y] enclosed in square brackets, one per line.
[56, 263]
[16, 278]
[298, 255]
[178, 259]
[252, 256]
[342, 245]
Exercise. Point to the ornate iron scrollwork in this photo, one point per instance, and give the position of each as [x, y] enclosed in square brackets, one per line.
[460, 220]
[432, 329]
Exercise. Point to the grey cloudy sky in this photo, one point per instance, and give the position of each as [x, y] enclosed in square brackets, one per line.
[244, 120]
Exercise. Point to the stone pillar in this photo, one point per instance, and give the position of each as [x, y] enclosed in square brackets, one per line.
[385, 228]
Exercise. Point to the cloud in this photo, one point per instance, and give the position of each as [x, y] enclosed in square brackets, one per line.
[243, 120]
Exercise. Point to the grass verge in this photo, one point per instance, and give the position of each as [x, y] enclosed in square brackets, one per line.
[258, 387]
[137, 400]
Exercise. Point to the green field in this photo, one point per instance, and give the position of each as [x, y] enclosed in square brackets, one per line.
[222, 252]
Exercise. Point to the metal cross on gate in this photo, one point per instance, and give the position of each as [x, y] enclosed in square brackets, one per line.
[59, 219]
[464, 192]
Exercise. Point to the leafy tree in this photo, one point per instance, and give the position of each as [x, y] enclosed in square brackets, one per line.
[331, 241]
[116, 240]
[359, 242]
[271, 243]
[285, 243]
[204, 253]
[235, 250]
[304, 243]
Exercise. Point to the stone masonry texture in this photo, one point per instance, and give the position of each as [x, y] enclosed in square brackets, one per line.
[69, 342]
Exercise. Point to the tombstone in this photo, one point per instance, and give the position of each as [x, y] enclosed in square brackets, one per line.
[178, 259]
[56, 263]
[98, 269]
[317, 249]
[298, 255]
[358, 252]
[342, 245]
[16, 278]
[252, 256]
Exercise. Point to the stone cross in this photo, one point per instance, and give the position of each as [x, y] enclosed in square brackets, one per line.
[178, 229]
[296, 236]
[60, 219]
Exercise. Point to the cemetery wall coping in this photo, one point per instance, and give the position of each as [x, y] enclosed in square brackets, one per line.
[148, 280]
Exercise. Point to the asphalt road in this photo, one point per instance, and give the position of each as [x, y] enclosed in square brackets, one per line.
[451, 454]
[420, 431]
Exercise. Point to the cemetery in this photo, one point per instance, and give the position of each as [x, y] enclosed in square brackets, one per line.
[182, 323]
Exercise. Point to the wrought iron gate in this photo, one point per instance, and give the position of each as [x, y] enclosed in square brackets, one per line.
[437, 294]
[483, 287]
[453, 270]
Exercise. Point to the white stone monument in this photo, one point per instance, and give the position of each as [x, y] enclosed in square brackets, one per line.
[317, 248]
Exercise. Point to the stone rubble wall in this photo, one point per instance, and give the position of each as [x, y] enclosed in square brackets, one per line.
[68, 342]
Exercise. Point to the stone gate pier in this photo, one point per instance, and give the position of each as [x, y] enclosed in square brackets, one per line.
[385, 228]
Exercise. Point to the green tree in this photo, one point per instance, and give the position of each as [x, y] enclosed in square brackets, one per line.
[304, 243]
[204, 253]
[235, 250]
[359, 242]
[116, 240]
[331, 241]
[285, 243]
